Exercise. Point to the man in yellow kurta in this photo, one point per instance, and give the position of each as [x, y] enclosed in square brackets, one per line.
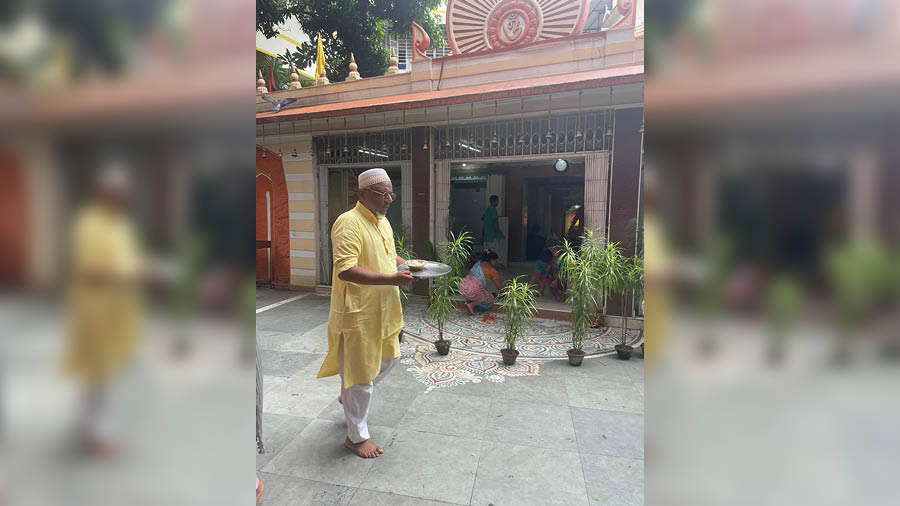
[366, 316]
[104, 304]
[657, 274]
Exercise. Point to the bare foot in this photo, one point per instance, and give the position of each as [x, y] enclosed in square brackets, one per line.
[259, 489]
[470, 307]
[367, 449]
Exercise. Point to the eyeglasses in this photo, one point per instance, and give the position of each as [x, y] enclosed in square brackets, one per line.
[383, 194]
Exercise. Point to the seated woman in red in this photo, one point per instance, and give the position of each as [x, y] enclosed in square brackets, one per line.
[475, 287]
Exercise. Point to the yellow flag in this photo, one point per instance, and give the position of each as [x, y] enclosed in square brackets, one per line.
[320, 59]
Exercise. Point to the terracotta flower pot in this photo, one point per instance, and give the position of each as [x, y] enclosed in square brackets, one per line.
[623, 351]
[509, 356]
[575, 357]
[443, 347]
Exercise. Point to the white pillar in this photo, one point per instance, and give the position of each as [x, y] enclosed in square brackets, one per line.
[441, 200]
[596, 183]
[864, 193]
[323, 240]
[406, 196]
[496, 185]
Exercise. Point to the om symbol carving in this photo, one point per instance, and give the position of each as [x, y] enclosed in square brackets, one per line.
[512, 22]
[513, 26]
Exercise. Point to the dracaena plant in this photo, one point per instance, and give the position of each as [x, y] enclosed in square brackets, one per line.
[454, 252]
[517, 298]
[634, 282]
[581, 273]
[404, 250]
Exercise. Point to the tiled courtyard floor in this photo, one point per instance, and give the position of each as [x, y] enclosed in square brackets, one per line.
[462, 430]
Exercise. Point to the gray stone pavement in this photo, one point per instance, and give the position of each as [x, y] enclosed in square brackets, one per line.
[569, 436]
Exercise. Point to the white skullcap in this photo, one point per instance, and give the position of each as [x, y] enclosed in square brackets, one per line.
[373, 176]
[114, 176]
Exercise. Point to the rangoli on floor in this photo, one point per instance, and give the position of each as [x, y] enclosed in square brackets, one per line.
[476, 342]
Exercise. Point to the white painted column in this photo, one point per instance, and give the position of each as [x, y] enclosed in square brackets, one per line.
[441, 200]
[863, 183]
[406, 197]
[496, 185]
[45, 202]
[323, 240]
[596, 184]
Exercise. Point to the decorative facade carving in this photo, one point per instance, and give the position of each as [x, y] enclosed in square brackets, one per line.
[353, 75]
[393, 68]
[421, 42]
[483, 25]
[622, 15]
[295, 78]
[261, 84]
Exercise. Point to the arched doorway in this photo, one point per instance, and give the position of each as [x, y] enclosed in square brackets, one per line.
[272, 220]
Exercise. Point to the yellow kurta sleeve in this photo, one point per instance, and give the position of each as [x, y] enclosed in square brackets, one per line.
[346, 244]
[656, 309]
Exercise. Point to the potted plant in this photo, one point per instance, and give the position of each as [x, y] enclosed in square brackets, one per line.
[579, 269]
[517, 298]
[440, 310]
[632, 280]
[861, 276]
[442, 306]
[783, 299]
[403, 249]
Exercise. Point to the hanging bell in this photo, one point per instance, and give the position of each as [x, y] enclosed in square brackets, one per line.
[264, 154]
[327, 150]
[403, 147]
[609, 132]
[521, 139]
[447, 144]
[295, 155]
[494, 140]
[578, 134]
[346, 149]
[280, 154]
[425, 146]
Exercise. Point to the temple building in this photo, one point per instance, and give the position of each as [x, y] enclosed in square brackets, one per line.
[527, 107]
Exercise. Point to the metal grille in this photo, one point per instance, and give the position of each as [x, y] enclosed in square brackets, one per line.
[364, 147]
[404, 53]
[588, 131]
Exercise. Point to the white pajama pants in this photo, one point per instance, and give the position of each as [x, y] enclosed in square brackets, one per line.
[358, 398]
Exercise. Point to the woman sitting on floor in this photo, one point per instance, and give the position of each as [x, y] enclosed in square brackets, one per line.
[475, 288]
[546, 273]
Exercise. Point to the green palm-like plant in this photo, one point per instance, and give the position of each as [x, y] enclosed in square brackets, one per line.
[580, 270]
[454, 252]
[404, 250]
[611, 269]
[442, 307]
[634, 282]
[861, 273]
[517, 298]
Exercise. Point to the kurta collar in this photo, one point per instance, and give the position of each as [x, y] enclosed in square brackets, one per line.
[363, 210]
